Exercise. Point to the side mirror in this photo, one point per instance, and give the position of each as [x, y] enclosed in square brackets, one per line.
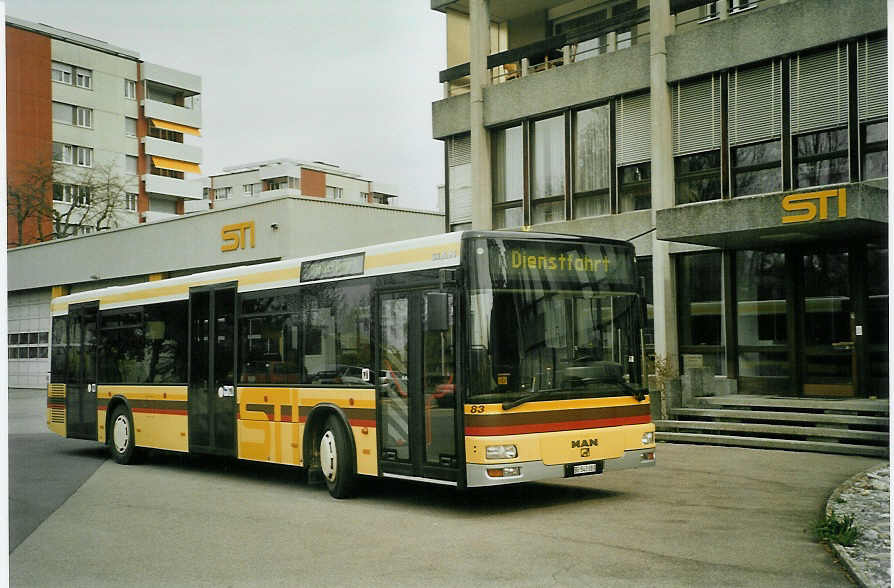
[436, 315]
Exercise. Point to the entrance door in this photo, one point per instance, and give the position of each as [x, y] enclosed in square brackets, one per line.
[829, 354]
[212, 382]
[416, 385]
[80, 389]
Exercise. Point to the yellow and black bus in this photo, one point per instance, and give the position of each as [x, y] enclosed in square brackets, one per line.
[468, 359]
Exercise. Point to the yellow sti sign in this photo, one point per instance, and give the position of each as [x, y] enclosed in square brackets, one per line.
[236, 235]
[812, 203]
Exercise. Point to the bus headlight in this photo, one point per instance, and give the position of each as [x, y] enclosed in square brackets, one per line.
[501, 452]
[648, 438]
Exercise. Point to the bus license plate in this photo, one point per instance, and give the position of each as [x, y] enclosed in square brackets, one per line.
[584, 468]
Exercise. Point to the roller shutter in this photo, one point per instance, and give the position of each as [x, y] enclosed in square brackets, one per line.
[819, 90]
[755, 103]
[872, 78]
[633, 143]
[695, 112]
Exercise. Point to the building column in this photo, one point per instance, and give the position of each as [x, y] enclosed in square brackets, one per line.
[663, 283]
[479, 36]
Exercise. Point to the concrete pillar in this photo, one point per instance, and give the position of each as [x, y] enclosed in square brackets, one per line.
[566, 54]
[723, 9]
[611, 42]
[479, 36]
[663, 286]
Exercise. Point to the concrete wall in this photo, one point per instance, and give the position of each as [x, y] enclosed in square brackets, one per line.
[304, 226]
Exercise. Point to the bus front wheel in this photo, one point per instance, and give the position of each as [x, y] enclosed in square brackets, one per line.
[121, 437]
[336, 458]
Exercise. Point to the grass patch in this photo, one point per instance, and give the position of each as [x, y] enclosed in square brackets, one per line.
[835, 529]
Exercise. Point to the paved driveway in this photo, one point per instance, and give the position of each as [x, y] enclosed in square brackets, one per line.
[705, 516]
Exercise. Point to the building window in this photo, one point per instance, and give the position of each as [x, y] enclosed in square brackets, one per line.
[874, 139]
[757, 168]
[508, 177]
[61, 73]
[130, 126]
[548, 170]
[63, 113]
[222, 193]
[592, 162]
[165, 134]
[85, 157]
[820, 158]
[700, 308]
[248, 189]
[697, 177]
[281, 184]
[206, 193]
[166, 173]
[331, 192]
[635, 187]
[28, 345]
[84, 117]
[130, 164]
[83, 78]
[131, 200]
[130, 89]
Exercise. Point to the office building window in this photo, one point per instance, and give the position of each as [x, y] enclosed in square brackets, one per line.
[700, 308]
[820, 158]
[635, 187]
[130, 89]
[592, 162]
[83, 78]
[222, 193]
[131, 200]
[130, 164]
[130, 126]
[548, 170]
[333, 192]
[61, 73]
[874, 139]
[697, 177]
[508, 176]
[757, 168]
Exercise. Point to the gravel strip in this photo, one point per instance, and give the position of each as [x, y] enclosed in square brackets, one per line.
[867, 497]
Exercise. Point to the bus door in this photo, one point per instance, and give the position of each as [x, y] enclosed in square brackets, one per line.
[212, 362]
[416, 382]
[80, 389]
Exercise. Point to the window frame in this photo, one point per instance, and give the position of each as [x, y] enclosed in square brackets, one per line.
[868, 148]
[65, 70]
[83, 78]
[818, 157]
[681, 178]
[130, 89]
[754, 167]
[599, 192]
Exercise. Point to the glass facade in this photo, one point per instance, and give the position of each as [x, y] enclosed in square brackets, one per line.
[697, 177]
[700, 308]
[592, 162]
[548, 170]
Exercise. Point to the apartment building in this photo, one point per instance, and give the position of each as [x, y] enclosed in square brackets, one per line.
[96, 137]
[241, 184]
[740, 145]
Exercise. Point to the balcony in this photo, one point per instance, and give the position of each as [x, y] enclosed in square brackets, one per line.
[172, 150]
[191, 117]
[151, 216]
[189, 189]
[191, 84]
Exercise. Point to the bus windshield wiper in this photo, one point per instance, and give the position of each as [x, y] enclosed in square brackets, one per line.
[535, 394]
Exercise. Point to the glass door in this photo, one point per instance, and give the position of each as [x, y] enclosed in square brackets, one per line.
[829, 352]
[416, 385]
[81, 379]
[212, 382]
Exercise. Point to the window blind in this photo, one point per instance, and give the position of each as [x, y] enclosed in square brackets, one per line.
[755, 103]
[633, 144]
[819, 90]
[695, 115]
[459, 169]
[872, 78]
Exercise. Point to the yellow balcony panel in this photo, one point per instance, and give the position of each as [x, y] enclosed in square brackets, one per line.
[173, 164]
[163, 124]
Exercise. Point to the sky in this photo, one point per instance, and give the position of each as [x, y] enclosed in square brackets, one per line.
[348, 82]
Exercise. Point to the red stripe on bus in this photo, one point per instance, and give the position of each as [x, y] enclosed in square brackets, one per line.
[160, 411]
[54, 405]
[362, 423]
[563, 426]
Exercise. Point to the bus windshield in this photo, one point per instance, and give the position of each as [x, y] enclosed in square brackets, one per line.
[553, 320]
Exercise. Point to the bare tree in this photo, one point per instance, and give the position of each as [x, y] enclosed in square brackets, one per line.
[57, 200]
[28, 190]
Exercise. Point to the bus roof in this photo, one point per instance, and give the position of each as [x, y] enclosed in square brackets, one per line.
[432, 252]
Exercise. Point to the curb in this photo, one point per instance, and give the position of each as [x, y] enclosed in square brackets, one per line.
[843, 556]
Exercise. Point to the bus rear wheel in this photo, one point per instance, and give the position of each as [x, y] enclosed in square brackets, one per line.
[337, 458]
[122, 446]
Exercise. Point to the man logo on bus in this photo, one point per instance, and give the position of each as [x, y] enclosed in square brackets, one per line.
[234, 236]
[806, 204]
[584, 443]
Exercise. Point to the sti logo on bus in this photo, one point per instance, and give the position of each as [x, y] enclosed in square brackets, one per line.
[806, 204]
[234, 236]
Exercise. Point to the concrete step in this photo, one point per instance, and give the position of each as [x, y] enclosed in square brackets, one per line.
[775, 430]
[768, 443]
[827, 405]
[852, 420]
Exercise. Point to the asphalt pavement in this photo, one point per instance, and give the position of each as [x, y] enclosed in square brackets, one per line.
[705, 516]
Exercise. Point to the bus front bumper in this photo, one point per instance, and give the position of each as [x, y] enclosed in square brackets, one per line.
[528, 471]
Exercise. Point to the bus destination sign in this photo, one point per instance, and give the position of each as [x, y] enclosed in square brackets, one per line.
[332, 267]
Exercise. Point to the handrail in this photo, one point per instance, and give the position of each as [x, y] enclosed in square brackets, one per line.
[544, 46]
